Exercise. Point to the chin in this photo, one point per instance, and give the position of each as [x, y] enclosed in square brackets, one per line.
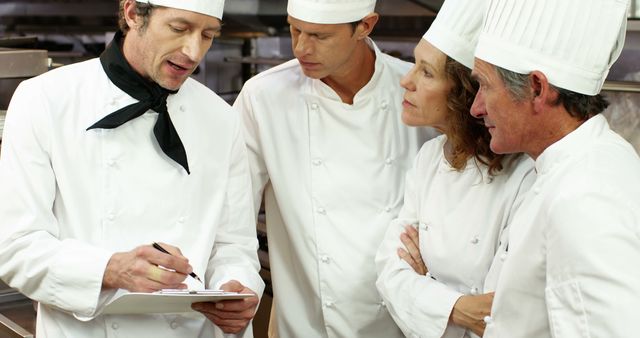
[500, 148]
[313, 74]
[413, 122]
[172, 85]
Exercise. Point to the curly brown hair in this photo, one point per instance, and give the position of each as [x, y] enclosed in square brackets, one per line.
[468, 136]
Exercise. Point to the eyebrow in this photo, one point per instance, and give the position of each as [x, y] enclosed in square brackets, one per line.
[309, 32]
[428, 65]
[215, 29]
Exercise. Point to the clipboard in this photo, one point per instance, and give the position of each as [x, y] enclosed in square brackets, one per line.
[166, 301]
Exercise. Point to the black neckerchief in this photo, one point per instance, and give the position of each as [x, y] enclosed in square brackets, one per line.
[150, 96]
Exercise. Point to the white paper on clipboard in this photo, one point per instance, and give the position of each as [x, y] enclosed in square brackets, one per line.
[166, 301]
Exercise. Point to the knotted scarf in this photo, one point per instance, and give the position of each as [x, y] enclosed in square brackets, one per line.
[150, 96]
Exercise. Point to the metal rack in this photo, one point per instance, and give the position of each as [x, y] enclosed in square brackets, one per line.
[621, 86]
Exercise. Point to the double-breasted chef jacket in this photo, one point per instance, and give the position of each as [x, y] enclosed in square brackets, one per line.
[574, 245]
[332, 175]
[461, 217]
[72, 197]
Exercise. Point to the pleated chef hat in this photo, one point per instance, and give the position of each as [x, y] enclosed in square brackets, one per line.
[573, 42]
[330, 11]
[208, 7]
[456, 29]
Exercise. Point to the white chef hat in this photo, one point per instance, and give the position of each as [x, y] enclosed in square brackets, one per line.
[573, 42]
[208, 7]
[330, 11]
[456, 29]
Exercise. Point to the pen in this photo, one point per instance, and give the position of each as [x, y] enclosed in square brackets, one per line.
[158, 247]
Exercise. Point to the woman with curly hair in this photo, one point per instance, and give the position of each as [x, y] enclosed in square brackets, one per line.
[438, 264]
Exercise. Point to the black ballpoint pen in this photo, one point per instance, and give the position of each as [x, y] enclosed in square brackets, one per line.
[159, 248]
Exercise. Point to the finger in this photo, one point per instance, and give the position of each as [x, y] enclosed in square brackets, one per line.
[237, 305]
[142, 284]
[404, 255]
[173, 250]
[413, 234]
[413, 250]
[230, 330]
[222, 319]
[156, 257]
[233, 286]
[164, 277]
[226, 325]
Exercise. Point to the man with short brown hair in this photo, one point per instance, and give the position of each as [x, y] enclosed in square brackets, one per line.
[328, 148]
[104, 157]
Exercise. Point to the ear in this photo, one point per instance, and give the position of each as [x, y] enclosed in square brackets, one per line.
[366, 25]
[129, 12]
[543, 94]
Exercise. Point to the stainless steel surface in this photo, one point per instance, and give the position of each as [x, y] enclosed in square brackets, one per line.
[8, 295]
[19, 63]
[9, 329]
[621, 86]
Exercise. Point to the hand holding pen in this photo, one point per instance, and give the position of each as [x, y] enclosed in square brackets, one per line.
[192, 274]
[147, 269]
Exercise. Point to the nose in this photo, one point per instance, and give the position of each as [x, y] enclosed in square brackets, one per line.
[478, 109]
[406, 81]
[194, 48]
[301, 45]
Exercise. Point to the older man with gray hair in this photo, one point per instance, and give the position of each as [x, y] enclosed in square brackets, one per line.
[574, 246]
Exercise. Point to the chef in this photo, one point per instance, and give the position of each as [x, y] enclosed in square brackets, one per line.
[571, 269]
[102, 158]
[460, 197]
[328, 149]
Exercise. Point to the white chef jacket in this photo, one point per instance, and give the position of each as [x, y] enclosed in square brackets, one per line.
[72, 197]
[572, 267]
[333, 179]
[460, 216]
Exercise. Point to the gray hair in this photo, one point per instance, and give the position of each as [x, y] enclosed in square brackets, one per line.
[578, 105]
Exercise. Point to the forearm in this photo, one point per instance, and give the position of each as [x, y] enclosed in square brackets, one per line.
[419, 304]
[65, 274]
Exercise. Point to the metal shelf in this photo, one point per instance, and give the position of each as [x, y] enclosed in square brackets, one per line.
[22, 63]
[621, 86]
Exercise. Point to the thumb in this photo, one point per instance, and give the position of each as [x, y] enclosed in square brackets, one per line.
[232, 286]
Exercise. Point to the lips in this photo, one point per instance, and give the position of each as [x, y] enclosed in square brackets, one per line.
[407, 104]
[178, 66]
[307, 64]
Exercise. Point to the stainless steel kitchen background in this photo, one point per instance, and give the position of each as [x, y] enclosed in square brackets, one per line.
[255, 38]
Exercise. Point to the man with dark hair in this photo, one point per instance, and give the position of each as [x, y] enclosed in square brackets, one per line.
[574, 245]
[104, 157]
[328, 148]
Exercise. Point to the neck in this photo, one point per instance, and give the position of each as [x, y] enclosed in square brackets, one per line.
[557, 124]
[355, 75]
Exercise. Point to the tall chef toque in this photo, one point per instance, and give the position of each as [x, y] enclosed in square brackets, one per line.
[573, 42]
[208, 7]
[330, 11]
[456, 29]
